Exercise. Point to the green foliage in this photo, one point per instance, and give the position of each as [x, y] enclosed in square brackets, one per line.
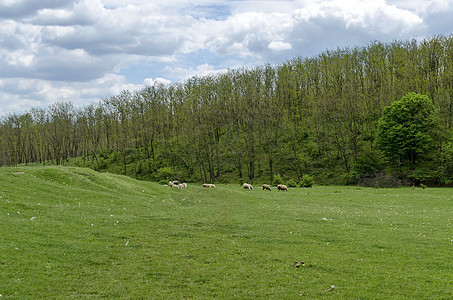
[445, 163]
[277, 179]
[291, 183]
[165, 173]
[407, 129]
[368, 163]
[315, 115]
[420, 176]
[307, 181]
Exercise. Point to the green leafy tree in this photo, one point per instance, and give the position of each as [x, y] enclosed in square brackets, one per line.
[407, 129]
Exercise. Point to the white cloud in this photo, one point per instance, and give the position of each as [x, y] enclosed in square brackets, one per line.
[201, 70]
[279, 46]
[150, 81]
[374, 15]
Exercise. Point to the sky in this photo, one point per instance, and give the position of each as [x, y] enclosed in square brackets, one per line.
[84, 51]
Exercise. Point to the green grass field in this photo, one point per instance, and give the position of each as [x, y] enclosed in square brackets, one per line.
[74, 233]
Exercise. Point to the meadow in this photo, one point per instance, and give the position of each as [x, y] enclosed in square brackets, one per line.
[69, 232]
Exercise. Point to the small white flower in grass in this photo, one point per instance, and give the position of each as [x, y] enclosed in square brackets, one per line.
[92, 224]
[127, 243]
[18, 212]
[331, 288]
[32, 218]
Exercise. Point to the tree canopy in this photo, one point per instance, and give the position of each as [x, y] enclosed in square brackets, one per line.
[316, 116]
[407, 129]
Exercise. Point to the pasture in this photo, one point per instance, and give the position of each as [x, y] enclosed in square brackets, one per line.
[74, 233]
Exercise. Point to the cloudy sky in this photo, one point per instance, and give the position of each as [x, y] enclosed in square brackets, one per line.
[86, 50]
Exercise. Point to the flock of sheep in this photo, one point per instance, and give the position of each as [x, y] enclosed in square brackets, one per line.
[176, 184]
[280, 187]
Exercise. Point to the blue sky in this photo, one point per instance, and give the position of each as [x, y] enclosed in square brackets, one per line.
[86, 50]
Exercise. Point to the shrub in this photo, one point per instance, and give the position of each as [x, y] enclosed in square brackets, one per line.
[165, 173]
[277, 179]
[368, 163]
[291, 183]
[420, 176]
[307, 181]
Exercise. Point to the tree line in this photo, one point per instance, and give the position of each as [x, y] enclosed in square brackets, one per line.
[316, 116]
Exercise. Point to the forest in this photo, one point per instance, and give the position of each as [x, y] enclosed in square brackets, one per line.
[314, 117]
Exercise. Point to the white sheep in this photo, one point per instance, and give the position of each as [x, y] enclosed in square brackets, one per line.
[247, 186]
[208, 185]
[266, 187]
[174, 184]
[282, 187]
[183, 185]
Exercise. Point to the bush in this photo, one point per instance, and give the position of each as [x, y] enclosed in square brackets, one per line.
[291, 183]
[277, 179]
[420, 176]
[165, 173]
[368, 163]
[307, 181]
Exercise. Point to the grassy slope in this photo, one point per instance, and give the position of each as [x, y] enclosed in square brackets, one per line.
[70, 232]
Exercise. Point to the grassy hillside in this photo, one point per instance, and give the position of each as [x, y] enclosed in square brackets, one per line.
[74, 233]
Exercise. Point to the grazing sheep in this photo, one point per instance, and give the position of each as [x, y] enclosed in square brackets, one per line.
[282, 187]
[247, 186]
[175, 184]
[208, 185]
[266, 187]
[183, 185]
